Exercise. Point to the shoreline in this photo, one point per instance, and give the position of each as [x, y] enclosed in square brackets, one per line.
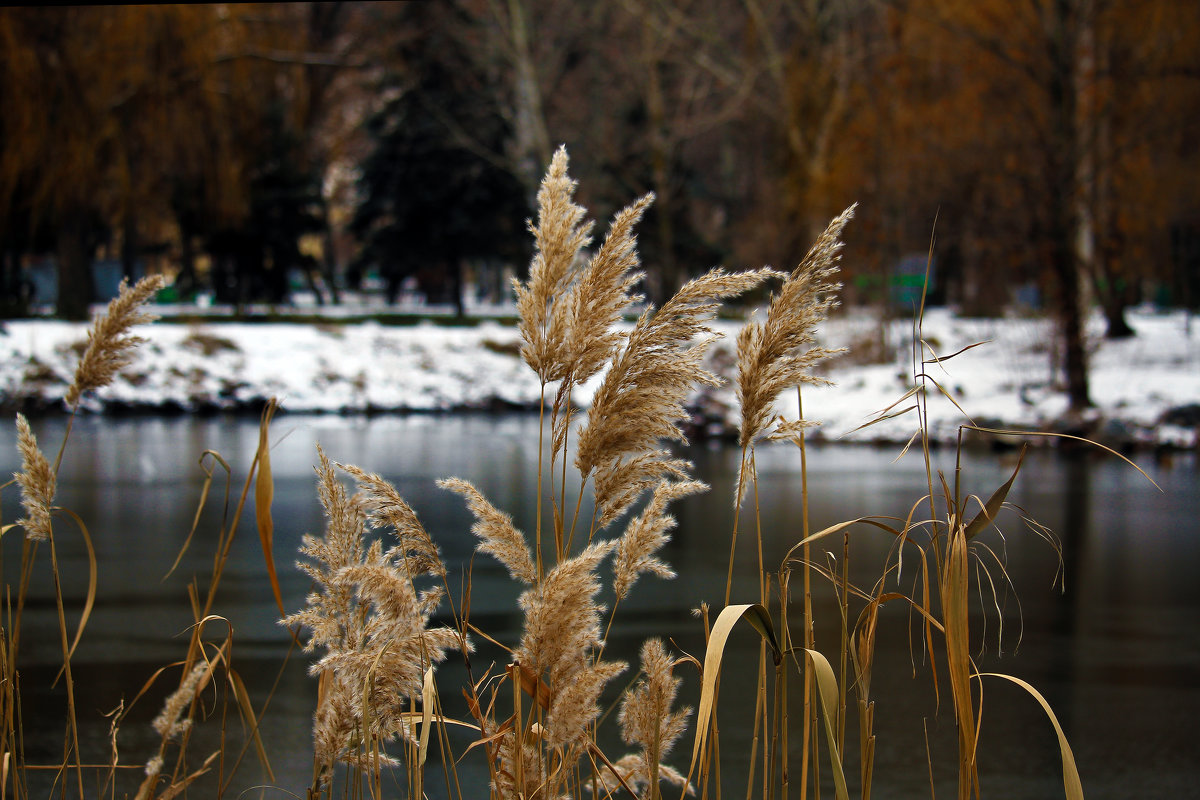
[1122, 436]
[1146, 390]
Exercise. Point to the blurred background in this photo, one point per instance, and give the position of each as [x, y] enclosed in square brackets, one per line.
[1043, 152]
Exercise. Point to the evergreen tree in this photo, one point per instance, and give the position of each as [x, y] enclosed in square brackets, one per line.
[435, 190]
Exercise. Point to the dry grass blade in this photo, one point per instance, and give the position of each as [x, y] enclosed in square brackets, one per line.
[934, 358]
[760, 620]
[827, 691]
[264, 492]
[955, 586]
[838, 528]
[247, 710]
[1072, 786]
[428, 698]
[110, 346]
[89, 600]
[1109, 450]
[175, 789]
[990, 509]
[204, 490]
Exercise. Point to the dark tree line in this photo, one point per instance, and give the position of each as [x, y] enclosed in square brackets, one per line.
[245, 146]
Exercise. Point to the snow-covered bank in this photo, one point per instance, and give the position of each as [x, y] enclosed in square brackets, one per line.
[1138, 385]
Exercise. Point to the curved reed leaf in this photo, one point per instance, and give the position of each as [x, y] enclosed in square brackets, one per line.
[1072, 786]
[264, 493]
[204, 490]
[992, 507]
[90, 599]
[760, 620]
[827, 690]
[247, 707]
[428, 697]
[1084, 439]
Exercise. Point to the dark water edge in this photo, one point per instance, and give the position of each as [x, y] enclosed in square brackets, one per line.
[1116, 652]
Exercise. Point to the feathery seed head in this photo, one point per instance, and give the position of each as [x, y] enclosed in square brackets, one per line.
[559, 235]
[387, 509]
[780, 352]
[576, 705]
[562, 617]
[647, 720]
[645, 716]
[646, 535]
[496, 532]
[37, 481]
[110, 347]
[168, 722]
[640, 401]
[371, 621]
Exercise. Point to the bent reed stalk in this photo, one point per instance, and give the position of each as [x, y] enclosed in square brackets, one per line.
[536, 720]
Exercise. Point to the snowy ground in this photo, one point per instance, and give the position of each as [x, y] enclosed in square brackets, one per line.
[366, 366]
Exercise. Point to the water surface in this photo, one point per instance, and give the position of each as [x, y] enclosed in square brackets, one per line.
[1113, 646]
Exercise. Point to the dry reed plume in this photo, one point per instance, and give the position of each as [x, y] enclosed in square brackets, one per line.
[110, 345]
[648, 719]
[494, 529]
[779, 353]
[559, 235]
[368, 616]
[37, 481]
[640, 403]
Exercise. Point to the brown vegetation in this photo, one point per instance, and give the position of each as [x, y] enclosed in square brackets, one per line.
[536, 720]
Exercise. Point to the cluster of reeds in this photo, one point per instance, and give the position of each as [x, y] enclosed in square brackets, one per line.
[207, 662]
[536, 719]
[379, 583]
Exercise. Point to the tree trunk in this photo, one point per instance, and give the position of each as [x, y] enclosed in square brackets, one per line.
[74, 267]
[185, 281]
[129, 246]
[1065, 271]
[1066, 214]
[456, 287]
[1118, 326]
[532, 144]
[670, 276]
[329, 257]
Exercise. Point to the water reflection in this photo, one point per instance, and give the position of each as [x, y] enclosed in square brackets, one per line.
[1115, 652]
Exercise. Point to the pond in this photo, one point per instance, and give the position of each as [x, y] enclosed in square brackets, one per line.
[1114, 649]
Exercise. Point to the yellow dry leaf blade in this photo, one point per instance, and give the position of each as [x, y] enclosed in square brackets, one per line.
[264, 492]
[89, 601]
[838, 528]
[427, 700]
[243, 699]
[827, 690]
[934, 358]
[208, 479]
[954, 614]
[760, 620]
[992, 507]
[176, 788]
[412, 717]
[1072, 786]
[1109, 450]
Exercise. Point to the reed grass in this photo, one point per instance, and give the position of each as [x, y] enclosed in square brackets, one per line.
[537, 721]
